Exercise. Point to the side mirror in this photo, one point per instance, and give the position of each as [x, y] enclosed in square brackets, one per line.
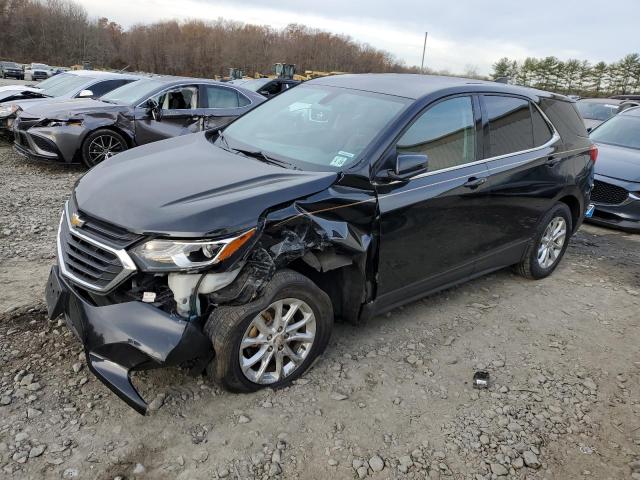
[85, 94]
[589, 129]
[409, 165]
[154, 109]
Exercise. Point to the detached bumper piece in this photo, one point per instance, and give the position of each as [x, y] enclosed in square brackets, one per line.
[123, 337]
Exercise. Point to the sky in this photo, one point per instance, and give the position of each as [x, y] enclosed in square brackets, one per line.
[463, 34]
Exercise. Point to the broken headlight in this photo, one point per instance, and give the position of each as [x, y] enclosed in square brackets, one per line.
[172, 255]
[8, 110]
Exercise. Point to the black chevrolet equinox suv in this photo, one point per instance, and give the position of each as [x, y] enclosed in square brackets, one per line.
[233, 250]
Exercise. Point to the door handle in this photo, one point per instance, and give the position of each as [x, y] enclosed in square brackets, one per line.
[552, 161]
[474, 182]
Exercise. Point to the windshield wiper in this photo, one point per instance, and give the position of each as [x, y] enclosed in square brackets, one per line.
[260, 155]
[224, 140]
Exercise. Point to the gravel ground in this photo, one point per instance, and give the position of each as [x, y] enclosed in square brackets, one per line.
[392, 399]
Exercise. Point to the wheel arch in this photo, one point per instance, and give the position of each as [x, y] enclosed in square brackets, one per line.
[575, 207]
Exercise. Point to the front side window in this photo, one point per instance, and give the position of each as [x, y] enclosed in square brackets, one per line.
[100, 88]
[445, 133]
[510, 125]
[315, 127]
[179, 98]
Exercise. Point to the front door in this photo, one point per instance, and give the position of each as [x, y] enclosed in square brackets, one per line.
[429, 224]
[180, 115]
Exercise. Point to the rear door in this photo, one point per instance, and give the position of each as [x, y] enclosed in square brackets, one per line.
[180, 115]
[220, 104]
[525, 176]
[429, 224]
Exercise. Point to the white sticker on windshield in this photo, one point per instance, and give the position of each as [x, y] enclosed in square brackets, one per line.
[346, 154]
[338, 161]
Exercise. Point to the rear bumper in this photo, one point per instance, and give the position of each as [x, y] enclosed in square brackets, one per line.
[122, 337]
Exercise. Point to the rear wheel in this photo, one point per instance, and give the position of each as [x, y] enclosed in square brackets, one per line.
[547, 248]
[100, 145]
[273, 340]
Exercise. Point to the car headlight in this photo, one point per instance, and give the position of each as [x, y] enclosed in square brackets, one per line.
[170, 255]
[8, 110]
[60, 123]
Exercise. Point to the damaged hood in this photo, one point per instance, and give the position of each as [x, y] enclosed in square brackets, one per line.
[17, 92]
[63, 109]
[187, 187]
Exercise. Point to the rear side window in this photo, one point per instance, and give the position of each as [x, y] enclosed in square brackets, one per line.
[510, 125]
[220, 97]
[565, 118]
[445, 133]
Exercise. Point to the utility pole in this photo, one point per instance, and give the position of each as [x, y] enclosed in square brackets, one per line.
[424, 49]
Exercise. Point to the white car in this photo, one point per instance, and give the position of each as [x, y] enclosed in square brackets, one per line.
[37, 71]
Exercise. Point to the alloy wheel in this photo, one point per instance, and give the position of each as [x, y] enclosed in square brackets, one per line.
[103, 147]
[552, 242]
[277, 341]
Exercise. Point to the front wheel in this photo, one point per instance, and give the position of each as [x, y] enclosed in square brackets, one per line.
[548, 246]
[273, 340]
[101, 145]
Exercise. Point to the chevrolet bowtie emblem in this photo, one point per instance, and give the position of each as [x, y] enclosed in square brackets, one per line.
[76, 221]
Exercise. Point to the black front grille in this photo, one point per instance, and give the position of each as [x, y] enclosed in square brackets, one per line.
[88, 262]
[607, 193]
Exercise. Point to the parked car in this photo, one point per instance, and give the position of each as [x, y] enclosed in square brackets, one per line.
[37, 71]
[267, 87]
[78, 84]
[344, 197]
[145, 111]
[626, 97]
[11, 70]
[594, 111]
[616, 191]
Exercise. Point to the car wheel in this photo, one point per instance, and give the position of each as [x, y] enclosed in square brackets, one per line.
[100, 145]
[273, 340]
[547, 248]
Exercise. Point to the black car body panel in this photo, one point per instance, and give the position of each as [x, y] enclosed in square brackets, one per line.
[369, 239]
[134, 122]
[219, 193]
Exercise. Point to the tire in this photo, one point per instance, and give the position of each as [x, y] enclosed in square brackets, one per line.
[227, 326]
[531, 266]
[100, 145]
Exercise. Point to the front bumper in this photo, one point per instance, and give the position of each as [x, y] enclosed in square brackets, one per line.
[123, 337]
[624, 217]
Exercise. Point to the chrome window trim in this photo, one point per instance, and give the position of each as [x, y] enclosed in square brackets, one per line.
[127, 263]
[555, 137]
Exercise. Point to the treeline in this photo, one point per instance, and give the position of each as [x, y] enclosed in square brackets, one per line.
[59, 32]
[573, 76]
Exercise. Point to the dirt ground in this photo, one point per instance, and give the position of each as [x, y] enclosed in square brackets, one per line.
[391, 399]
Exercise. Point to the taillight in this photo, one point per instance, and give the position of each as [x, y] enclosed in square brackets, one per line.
[593, 153]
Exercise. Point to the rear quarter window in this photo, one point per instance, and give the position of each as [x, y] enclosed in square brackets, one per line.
[565, 118]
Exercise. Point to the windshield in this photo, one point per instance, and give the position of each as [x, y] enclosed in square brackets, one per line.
[315, 127]
[597, 110]
[40, 65]
[10, 65]
[133, 92]
[623, 131]
[68, 84]
[49, 82]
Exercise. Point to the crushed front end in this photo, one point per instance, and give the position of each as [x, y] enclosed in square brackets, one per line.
[125, 319]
